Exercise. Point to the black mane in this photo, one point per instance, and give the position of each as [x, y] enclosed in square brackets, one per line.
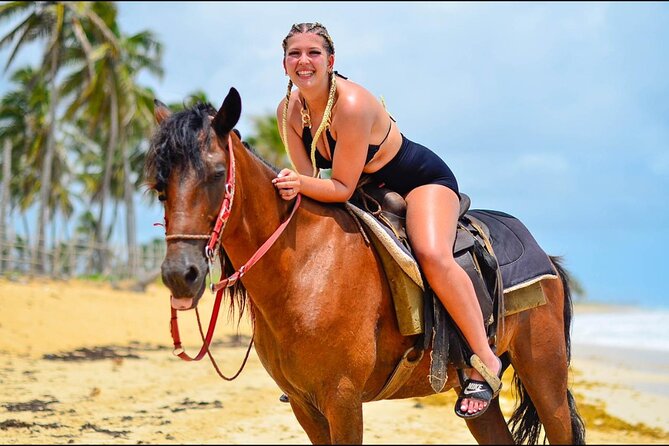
[177, 142]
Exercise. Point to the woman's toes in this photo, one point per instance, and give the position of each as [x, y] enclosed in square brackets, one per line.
[472, 406]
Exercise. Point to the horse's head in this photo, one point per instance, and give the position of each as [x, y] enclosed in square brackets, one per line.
[187, 166]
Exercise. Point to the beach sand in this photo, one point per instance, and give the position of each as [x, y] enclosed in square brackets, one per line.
[81, 363]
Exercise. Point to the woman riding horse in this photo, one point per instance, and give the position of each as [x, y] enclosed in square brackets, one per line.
[324, 322]
[345, 115]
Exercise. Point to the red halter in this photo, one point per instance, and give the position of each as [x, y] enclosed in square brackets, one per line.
[210, 253]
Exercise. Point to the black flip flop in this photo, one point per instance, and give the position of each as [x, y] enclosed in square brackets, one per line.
[479, 390]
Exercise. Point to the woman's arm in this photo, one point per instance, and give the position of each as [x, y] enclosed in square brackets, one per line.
[354, 122]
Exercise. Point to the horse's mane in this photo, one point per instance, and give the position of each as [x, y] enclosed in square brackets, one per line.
[177, 141]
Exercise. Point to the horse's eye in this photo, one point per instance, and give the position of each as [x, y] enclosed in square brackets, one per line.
[162, 197]
[219, 173]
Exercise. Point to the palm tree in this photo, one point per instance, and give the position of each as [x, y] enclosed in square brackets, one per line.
[267, 140]
[23, 116]
[118, 112]
[43, 20]
[142, 52]
[133, 154]
[60, 23]
[191, 99]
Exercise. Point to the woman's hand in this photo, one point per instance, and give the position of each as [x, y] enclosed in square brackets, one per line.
[288, 184]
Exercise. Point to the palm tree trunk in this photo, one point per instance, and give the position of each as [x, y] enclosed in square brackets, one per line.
[106, 182]
[53, 272]
[25, 251]
[131, 237]
[12, 245]
[45, 186]
[4, 206]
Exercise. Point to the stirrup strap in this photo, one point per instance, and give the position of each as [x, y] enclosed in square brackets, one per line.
[493, 380]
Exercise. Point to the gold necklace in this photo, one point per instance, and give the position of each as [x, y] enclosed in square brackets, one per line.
[306, 117]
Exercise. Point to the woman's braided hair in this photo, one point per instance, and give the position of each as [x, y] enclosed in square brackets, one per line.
[318, 29]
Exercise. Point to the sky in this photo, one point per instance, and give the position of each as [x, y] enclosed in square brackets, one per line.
[556, 113]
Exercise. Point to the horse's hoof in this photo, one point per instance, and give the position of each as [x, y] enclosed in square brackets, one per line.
[284, 398]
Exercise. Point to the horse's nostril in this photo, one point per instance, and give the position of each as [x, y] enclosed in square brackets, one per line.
[183, 276]
[192, 274]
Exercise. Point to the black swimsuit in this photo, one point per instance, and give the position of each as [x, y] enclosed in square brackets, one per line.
[414, 165]
[323, 163]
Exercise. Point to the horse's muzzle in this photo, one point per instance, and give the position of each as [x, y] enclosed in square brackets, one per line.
[184, 277]
[181, 303]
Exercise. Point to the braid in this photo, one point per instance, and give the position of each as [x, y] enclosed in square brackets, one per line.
[318, 29]
[284, 119]
[325, 122]
[314, 28]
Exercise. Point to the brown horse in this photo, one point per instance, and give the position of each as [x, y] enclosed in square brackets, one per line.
[324, 322]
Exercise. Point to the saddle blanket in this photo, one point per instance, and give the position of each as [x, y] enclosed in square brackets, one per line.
[521, 259]
[523, 264]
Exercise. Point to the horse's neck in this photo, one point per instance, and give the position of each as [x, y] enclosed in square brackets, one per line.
[256, 209]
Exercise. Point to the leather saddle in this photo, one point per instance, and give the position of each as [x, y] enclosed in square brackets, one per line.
[472, 250]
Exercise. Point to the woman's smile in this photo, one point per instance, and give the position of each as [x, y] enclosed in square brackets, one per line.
[305, 74]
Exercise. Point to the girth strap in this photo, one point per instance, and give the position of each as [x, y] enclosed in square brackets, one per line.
[399, 375]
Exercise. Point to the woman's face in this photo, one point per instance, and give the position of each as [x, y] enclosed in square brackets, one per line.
[307, 62]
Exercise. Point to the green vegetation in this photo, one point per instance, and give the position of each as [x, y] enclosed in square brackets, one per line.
[77, 122]
[75, 129]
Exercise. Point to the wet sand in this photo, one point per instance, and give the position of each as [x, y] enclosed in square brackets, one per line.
[81, 363]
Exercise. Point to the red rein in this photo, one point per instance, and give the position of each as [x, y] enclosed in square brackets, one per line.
[210, 252]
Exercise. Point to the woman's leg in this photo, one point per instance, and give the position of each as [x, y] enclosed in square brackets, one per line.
[432, 214]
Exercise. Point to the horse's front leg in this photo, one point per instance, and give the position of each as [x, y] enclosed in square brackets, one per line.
[312, 421]
[336, 415]
[339, 419]
[343, 409]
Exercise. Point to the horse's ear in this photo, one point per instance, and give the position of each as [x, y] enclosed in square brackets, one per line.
[228, 115]
[160, 111]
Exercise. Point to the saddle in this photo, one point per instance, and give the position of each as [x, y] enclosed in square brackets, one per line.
[418, 309]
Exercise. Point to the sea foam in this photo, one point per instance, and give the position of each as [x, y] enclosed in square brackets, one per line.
[633, 328]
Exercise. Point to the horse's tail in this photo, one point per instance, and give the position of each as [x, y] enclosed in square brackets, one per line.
[524, 422]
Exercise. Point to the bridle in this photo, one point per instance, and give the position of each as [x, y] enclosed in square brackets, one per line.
[210, 251]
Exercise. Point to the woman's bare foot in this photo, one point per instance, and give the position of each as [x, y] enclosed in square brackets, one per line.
[473, 405]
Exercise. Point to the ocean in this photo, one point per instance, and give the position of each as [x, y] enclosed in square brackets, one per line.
[624, 327]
